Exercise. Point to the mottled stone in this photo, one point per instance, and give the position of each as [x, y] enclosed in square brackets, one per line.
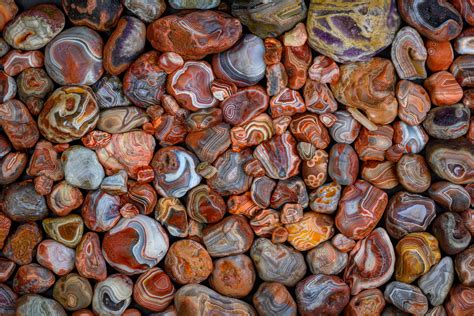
[313, 229]
[326, 259]
[443, 88]
[367, 302]
[32, 304]
[55, 256]
[452, 234]
[73, 292]
[233, 276]
[82, 168]
[437, 282]
[22, 204]
[413, 173]
[147, 10]
[32, 279]
[448, 122]
[273, 298]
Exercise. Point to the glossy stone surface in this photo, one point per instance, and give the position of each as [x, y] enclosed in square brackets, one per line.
[124, 45]
[7, 268]
[381, 174]
[193, 299]
[186, 35]
[233, 276]
[361, 272]
[144, 82]
[416, 254]
[345, 129]
[265, 222]
[212, 142]
[82, 168]
[74, 57]
[296, 60]
[440, 55]
[367, 302]
[286, 102]
[55, 256]
[98, 15]
[89, 260]
[273, 298]
[18, 125]
[407, 298]
[108, 92]
[408, 213]
[241, 107]
[308, 128]
[73, 292]
[32, 304]
[113, 295]
[32, 279]
[452, 234]
[451, 160]
[147, 10]
[174, 171]
[22, 204]
[205, 205]
[451, 196]
[371, 145]
[33, 86]
[411, 138]
[325, 198]
[437, 282]
[34, 28]
[351, 33]
[326, 259]
[231, 236]
[463, 263]
[292, 190]
[369, 86]
[277, 262]
[120, 244]
[8, 87]
[370, 203]
[414, 102]
[243, 64]
[8, 10]
[20, 245]
[153, 290]
[461, 69]
[66, 230]
[8, 298]
[321, 294]
[443, 88]
[15, 61]
[188, 262]
[230, 178]
[409, 54]
[413, 173]
[459, 301]
[310, 231]
[448, 122]
[100, 210]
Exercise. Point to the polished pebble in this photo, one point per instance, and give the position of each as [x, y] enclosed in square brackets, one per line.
[406, 297]
[272, 298]
[113, 295]
[73, 292]
[451, 196]
[452, 234]
[55, 256]
[233, 276]
[437, 282]
[32, 279]
[154, 290]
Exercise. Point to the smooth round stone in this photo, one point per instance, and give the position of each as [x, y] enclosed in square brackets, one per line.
[416, 254]
[20, 245]
[345, 129]
[74, 57]
[108, 92]
[8, 11]
[351, 32]
[230, 177]
[443, 88]
[73, 292]
[360, 208]
[408, 213]
[362, 271]
[22, 203]
[372, 145]
[463, 263]
[15, 61]
[89, 260]
[8, 87]
[414, 102]
[55, 256]
[171, 213]
[205, 205]
[448, 122]
[153, 290]
[277, 262]
[342, 243]
[32, 279]
[211, 142]
[188, 262]
[381, 174]
[406, 297]
[463, 44]
[243, 64]
[6, 268]
[98, 15]
[369, 86]
[310, 231]
[66, 230]
[241, 107]
[450, 196]
[195, 299]
[273, 298]
[413, 173]
[308, 128]
[451, 160]
[175, 172]
[459, 301]
[112, 296]
[68, 114]
[452, 234]
[186, 35]
[409, 54]
[411, 138]
[233, 276]
[12, 166]
[135, 244]
[147, 10]
[144, 82]
[269, 18]
[34, 85]
[100, 210]
[121, 119]
[32, 304]
[325, 198]
[368, 302]
[440, 55]
[194, 4]
[326, 259]
[34, 28]
[124, 45]
[18, 125]
[142, 196]
[321, 294]
[437, 282]
[82, 168]
[190, 93]
[231, 236]
[292, 190]
[8, 300]
[343, 164]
